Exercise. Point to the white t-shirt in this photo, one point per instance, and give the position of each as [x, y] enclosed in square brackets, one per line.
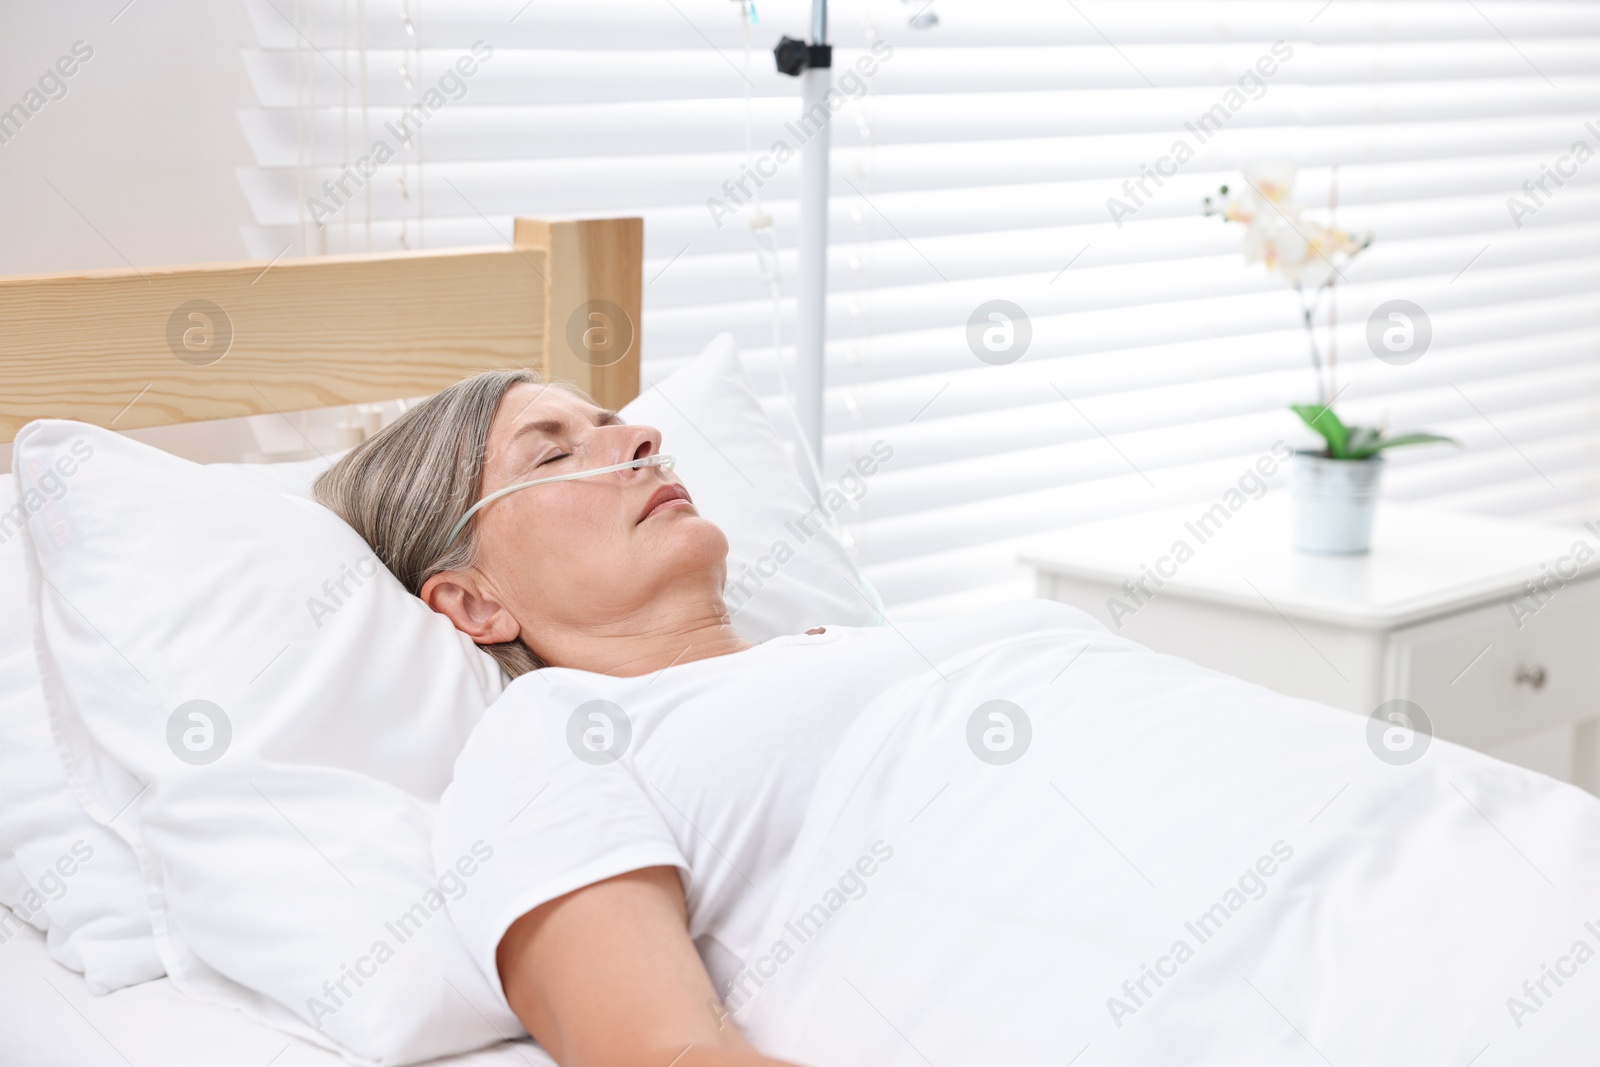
[709, 766]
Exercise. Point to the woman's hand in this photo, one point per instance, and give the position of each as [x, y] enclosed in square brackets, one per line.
[607, 977]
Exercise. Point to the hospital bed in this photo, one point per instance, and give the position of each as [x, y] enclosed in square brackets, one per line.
[1343, 873]
[130, 349]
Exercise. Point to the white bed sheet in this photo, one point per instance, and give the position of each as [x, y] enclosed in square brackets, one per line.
[1297, 898]
[48, 1018]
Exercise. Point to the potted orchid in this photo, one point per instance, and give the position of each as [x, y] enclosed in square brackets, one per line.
[1335, 487]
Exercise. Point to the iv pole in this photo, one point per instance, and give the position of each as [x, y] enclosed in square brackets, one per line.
[813, 64]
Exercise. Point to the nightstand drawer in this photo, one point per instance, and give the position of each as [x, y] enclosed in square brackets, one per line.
[1484, 679]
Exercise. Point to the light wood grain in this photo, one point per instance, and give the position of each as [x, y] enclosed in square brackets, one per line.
[592, 314]
[128, 349]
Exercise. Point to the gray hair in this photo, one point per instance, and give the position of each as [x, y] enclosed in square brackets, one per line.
[405, 487]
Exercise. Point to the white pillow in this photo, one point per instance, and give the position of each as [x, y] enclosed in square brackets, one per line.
[788, 568]
[296, 713]
[61, 871]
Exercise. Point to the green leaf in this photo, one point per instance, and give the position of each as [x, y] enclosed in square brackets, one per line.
[1415, 439]
[1322, 419]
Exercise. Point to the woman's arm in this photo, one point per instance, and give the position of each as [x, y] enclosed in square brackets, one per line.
[607, 977]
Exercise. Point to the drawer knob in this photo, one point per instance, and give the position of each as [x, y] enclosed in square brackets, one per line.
[1532, 677]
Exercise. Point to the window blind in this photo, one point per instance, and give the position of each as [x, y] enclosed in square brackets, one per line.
[1023, 151]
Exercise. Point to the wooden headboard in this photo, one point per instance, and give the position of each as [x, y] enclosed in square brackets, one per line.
[128, 349]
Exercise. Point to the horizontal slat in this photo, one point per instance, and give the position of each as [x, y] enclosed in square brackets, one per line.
[597, 182]
[1551, 443]
[468, 130]
[691, 75]
[1131, 24]
[1395, 201]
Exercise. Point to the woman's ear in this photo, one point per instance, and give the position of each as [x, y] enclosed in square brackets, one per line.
[463, 598]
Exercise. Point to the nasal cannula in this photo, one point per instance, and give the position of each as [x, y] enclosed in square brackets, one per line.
[658, 460]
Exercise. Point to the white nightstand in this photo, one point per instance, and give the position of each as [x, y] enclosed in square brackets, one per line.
[1439, 613]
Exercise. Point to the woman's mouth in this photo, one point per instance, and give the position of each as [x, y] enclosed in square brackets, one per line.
[667, 497]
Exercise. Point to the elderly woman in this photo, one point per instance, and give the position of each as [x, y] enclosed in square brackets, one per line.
[613, 575]
[681, 822]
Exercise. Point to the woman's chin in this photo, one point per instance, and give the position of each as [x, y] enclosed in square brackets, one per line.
[701, 538]
[680, 541]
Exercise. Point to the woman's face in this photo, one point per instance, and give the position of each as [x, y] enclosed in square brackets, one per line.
[590, 555]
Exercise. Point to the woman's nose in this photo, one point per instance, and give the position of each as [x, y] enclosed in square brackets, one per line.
[635, 442]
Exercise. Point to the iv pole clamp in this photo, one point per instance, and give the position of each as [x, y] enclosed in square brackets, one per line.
[794, 56]
[812, 64]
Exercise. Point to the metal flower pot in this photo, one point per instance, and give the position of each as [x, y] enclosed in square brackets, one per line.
[1334, 501]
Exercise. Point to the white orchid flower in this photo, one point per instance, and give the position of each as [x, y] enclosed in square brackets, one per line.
[1278, 234]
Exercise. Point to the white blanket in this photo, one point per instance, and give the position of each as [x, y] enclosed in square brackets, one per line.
[1181, 868]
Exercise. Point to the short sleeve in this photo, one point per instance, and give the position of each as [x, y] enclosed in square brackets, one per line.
[535, 822]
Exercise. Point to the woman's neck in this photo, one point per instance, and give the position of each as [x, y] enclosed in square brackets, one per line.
[670, 631]
[686, 647]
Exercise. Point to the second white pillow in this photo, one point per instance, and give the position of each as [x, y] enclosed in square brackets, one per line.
[61, 871]
[228, 661]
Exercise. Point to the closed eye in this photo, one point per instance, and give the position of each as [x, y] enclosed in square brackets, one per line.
[552, 459]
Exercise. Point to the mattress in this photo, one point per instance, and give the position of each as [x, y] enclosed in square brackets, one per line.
[48, 1018]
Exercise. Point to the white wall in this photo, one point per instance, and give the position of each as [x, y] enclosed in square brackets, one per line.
[143, 148]
[144, 144]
